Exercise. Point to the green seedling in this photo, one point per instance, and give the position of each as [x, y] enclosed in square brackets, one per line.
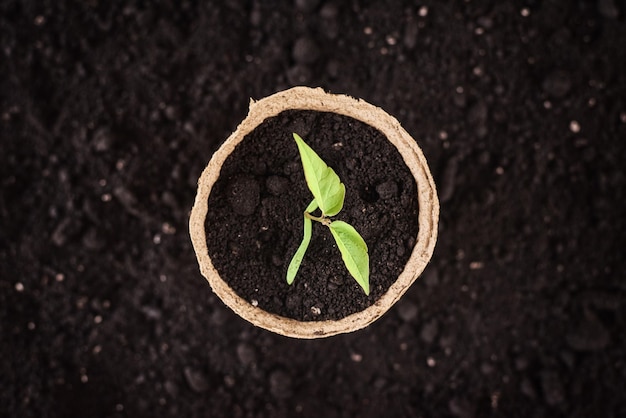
[329, 193]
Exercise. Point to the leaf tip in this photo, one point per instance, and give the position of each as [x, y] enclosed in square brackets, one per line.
[294, 266]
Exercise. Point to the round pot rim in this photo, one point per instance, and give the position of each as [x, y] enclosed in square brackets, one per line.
[305, 98]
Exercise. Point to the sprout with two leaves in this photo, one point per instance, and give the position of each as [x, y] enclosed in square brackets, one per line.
[329, 192]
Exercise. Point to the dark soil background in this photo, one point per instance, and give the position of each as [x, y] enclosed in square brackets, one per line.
[254, 223]
[109, 112]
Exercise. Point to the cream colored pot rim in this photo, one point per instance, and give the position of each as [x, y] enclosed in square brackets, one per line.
[304, 98]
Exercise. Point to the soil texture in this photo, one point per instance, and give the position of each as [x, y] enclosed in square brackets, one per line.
[255, 219]
[110, 110]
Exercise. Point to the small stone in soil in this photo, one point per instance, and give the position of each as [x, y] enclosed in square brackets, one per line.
[356, 357]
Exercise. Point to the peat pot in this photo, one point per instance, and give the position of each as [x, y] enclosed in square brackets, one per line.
[247, 219]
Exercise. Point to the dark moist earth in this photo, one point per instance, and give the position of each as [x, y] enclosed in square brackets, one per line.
[255, 220]
[109, 112]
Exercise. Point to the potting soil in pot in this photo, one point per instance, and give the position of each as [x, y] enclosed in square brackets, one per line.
[255, 218]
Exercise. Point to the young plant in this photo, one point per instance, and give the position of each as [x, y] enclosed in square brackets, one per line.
[329, 192]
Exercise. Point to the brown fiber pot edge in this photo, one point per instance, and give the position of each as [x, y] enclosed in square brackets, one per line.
[305, 98]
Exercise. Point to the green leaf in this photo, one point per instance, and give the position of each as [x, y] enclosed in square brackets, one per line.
[353, 252]
[294, 265]
[324, 183]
